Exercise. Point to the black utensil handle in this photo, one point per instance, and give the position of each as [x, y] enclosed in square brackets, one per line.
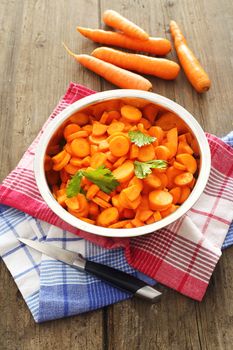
[115, 277]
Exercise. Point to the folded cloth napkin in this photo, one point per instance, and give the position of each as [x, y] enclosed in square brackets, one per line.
[182, 255]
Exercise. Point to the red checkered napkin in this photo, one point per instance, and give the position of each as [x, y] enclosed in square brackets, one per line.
[184, 254]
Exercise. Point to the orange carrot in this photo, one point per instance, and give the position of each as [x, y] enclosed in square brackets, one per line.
[80, 147]
[157, 132]
[70, 129]
[98, 159]
[71, 169]
[108, 217]
[185, 192]
[119, 146]
[62, 163]
[162, 152]
[119, 162]
[124, 172]
[134, 150]
[150, 112]
[92, 191]
[115, 127]
[117, 21]
[176, 193]
[99, 129]
[188, 161]
[132, 192]
[80, 118]
[115, 75]
[156, 46]
[93, 210]
[159, 67]
[76, 135]
[160, 200]
[103, 196]
[170, 120]
[190, 64]
[153, 181]
[183, 179]
[131, 113]
[146, 153]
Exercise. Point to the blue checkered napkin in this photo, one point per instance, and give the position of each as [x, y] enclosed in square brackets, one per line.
[50, 288]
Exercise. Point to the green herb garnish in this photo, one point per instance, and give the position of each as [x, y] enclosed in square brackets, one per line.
[140, 139]
[101, 176]
[142, 169]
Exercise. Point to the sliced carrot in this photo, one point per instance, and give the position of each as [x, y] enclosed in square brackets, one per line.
[169, 211]
[131, 114]
[104, 118]
[172, 141]
[188, 161]
[183, 179]
[171, 174]
[141, 127]
[96, 140]
[103, 196]
[153, 181]
[183, 147]
[119, 146]
[93, 210]
[115, 127]
[80, 118]
[137, 223]
[86, 161]
[137, 182]
[98, 159]
[120, 224]
[146, 123]
[70, 129]
[104, 146]
[182, 138]
[59, 157]
[124, 172]
[132, 192]
[162, 152]
[157, 216]
[146, 153]
[116, 203]
[195, 147]
[129, 225]
[64, 176]
[68, 149]
[72, 203]
[80, 147]
[101, 202]
[111, 157]
[185, 192]
[89, 221]
[145, 215]
[92, 191]
[76, 135]
[71, 169]
[176, 193]
[118, 133]
[76, 161]
[179, 166]
[113, 115]
[108, 217]
[157, 132]
[88, 128]
[62, 163]
[99, 129]
[160, 199]
[134, 151]
[192, 183]
[119, 162]
[62, 200]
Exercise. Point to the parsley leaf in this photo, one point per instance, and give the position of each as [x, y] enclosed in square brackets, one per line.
[140, 139]
[74, 185]
[142, 169]
[103, 178]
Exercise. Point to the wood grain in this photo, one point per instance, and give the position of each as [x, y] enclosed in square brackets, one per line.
[35, 72]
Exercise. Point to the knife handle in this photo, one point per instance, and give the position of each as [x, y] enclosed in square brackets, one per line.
[123, 281]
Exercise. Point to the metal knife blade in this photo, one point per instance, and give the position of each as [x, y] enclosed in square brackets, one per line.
[54, 252]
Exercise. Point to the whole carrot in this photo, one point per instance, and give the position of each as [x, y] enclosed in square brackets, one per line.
[190, 64]
[117, 21]
[115, 75]
[156, 46]
[159, 67]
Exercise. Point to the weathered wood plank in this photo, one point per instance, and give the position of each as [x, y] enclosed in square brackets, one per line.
[35, 70]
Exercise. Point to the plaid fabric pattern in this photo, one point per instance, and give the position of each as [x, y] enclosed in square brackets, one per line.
[182, 255]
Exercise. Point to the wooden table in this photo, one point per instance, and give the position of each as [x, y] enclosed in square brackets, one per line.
[35, 71]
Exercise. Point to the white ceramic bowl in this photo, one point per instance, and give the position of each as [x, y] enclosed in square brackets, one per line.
[118, 94]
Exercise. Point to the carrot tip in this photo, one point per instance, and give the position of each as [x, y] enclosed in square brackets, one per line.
[68, 50]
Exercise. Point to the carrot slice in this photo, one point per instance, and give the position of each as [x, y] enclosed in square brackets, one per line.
[93, 210]
[104, 145]
[89, 221]
[70, 129]
[170, 120]
[188, 161]
[145, 214]
[134, 151]
[71, 169]
[183, 179]
[146, 153]
[92, 191]
[137, 223]
[185, 192]
[146, 124]
[119, 162]
[115, 127]
[64, 176]
[160, 200]
[76, 135]
[179, 166]
[137, 182]
[59, 157]
[172, 141]
[128, 213]
[120, 224]
[68, 149]
[153, 181]
[76, 161]
[108, 217]
[131, 113]
[80, 147]
[88, 128]
[99, 129]
[96, 140]
[103, 196]
[169, 211]
[113, 115]
[72, 203]
[157, 132]
[118, 133]
[93, 149]
[162, 152]
[124, 172]
[171, 173]
[101, 202]
[111, 157]
[176, 193]
[119, 146]
[183, 147]
[63, 163]
[98, 159]
[80, 118]
[195, 147]
[132, 192]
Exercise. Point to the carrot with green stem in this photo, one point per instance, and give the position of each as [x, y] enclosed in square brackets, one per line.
[115, 75]
[156, 46]
[159, 67]
[190, 64]
[117, 21]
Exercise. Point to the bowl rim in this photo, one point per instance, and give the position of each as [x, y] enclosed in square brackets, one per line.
[101, 97]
